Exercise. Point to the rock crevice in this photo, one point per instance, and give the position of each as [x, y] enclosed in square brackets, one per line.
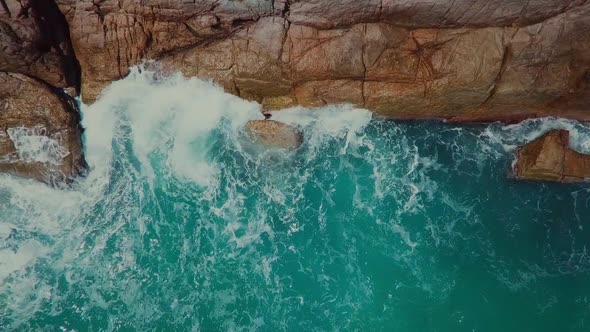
[550, 158]
[444, 59]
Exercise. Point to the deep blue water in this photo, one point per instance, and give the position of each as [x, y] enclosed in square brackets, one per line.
[372, 225]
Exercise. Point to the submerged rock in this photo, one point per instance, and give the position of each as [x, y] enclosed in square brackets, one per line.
[274, 134]
[549, 158]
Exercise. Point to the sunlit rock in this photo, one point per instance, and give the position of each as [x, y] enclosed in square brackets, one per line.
[550, 158]
[452, 59]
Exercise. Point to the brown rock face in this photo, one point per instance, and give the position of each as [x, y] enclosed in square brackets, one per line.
[274, 134]
[111, 36]
[462, 60]
[40, 135]
[549, 158]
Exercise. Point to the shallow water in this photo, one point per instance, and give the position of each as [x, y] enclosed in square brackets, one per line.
[183, 224]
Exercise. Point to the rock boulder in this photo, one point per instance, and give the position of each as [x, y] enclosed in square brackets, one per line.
[40, 134]
[550, 158]
[274, 134]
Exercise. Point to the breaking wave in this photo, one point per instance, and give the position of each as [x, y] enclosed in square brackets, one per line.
[183, 224]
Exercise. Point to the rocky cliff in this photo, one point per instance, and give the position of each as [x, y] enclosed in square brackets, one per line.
[462, 60]
[40, 134]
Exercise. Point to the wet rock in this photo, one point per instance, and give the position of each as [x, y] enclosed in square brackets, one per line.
[550, 158]
[274, 134]
[40, 134]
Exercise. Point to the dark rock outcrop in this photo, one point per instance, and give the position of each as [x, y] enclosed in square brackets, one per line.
[550, 158]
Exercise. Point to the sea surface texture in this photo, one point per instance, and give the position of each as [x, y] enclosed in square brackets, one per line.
[183, 224]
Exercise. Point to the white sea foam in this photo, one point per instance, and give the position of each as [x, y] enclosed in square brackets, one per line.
[11, 260]
[331, 120]
[173, 115]
[33, 144]
[340, 121]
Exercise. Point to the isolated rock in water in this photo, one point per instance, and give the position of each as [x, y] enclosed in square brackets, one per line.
[549, 158]
[40, 135]
[275, 134]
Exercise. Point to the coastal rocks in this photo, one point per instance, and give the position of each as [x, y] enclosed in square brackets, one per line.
[329, 14]
[460, 60]
[454, 59]
[549, 158]
[40, 135]
[110, 36]
[274, 134]
[35, 41]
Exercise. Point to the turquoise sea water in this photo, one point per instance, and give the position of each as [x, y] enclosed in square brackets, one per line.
[372, 225]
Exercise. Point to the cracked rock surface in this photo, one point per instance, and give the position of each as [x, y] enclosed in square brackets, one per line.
[461, 60]
[40, 135]
[550, 158]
